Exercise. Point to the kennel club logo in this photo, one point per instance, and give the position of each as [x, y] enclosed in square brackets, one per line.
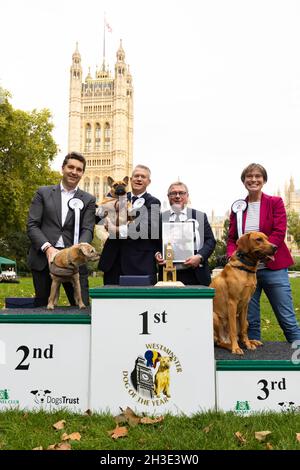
[151, 380]
[45, 397]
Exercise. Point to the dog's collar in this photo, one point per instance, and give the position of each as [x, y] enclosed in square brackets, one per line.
[243, 269]
[243, 258]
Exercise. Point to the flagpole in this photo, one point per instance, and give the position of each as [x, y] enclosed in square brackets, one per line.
[104, 25]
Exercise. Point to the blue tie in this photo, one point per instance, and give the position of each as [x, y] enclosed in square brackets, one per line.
[133, 199]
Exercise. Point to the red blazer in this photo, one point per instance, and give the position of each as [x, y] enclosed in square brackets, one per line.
[272, 222]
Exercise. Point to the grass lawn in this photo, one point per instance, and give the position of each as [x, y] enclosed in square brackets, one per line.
[21, 430]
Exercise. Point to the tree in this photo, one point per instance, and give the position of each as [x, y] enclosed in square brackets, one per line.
[218, 258]
[294, 226]
[26, 150]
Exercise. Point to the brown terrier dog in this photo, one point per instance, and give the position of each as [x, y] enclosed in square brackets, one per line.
[64, 268]
[162, 377]
[234, 288]
[115, 207]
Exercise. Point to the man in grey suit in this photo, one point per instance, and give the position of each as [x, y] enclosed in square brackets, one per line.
[50, 227]
[194, 270]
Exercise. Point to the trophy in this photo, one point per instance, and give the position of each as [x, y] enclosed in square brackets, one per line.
[169, 270]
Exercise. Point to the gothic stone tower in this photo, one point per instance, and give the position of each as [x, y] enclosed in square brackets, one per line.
[101, 122]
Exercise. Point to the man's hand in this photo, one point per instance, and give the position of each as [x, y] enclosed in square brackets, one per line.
[159, 259]
[193, 261]
[50, 253]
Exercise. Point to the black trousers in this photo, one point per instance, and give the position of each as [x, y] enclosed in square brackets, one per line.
[42, 286]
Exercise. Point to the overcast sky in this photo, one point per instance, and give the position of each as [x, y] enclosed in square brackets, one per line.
[216, 82]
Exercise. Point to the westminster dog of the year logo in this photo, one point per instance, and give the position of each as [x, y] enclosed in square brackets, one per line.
[150, 381]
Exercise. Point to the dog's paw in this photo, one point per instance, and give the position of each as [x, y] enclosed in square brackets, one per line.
[50, 307]
[81, 305]
[238, 351]
[255, 342]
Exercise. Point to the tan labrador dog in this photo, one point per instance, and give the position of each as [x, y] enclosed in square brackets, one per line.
[64, 268]
[234, 288]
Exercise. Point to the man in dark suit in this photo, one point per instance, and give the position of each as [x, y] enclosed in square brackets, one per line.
[194, 270]
[132, 251]
[50, 227]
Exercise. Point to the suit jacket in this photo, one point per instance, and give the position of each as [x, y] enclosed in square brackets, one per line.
[272, 222]
[45, 225]
[208, 243]
[136, 253]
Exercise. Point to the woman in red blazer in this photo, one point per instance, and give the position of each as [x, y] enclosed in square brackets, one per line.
[267, 214]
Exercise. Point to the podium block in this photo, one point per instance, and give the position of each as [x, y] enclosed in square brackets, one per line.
[152, 350]
[44, 359]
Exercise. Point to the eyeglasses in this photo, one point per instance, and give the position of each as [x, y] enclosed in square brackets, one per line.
[174, 193]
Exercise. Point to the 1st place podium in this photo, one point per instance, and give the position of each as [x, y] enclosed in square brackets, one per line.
[152, 349]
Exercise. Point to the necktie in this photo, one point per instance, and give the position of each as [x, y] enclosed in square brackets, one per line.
[133, 199]
[177, 219]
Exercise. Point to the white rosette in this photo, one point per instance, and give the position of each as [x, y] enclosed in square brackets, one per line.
[76, 205]
[238, 207]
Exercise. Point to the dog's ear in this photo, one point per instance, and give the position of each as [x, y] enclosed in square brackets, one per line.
[110, 181]
[85, 249]
[243, 243]
[126, 179]
[34, 392]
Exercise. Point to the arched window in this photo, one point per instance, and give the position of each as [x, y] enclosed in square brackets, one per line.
[88, 138]
[86, 185]
[107, 136]
[98, 137]
[96, 187]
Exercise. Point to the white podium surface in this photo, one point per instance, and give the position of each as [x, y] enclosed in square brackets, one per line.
[44, 361]
[247, 387]
[152, 350]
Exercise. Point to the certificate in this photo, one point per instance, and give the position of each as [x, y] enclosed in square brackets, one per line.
[181, 237]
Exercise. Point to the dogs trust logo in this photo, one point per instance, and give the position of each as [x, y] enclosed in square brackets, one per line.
[44, 397]
[151, 380]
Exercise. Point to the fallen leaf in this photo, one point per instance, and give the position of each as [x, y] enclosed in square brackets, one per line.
[59, 425]
[208, 428]
[261, 435]
[88, 412]
[38, 448]
[146, 420]
[60, 446]
[127, 416]
[269, 446]
[298, 436]
[118, 432]
[240, 437]
[75, 436]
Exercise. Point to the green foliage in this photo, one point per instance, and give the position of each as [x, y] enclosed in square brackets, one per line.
[294, 226]
[218, 258]
[16, 247]
[26, 149]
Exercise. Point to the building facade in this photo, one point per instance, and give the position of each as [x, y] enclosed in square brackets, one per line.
[101, 122]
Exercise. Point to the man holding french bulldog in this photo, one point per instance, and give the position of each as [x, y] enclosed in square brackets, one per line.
[132, 251]
[51, 226]
[193, 270]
